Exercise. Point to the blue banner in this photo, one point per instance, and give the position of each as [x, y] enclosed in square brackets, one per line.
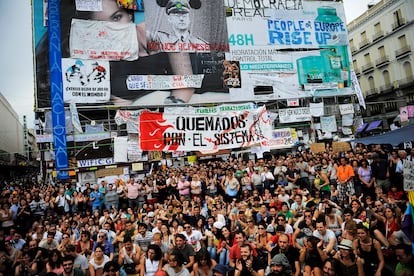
[56, 92]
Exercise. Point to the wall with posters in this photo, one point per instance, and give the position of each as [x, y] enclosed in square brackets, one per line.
[231, 51]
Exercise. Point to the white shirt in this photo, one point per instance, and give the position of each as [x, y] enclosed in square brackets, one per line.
[194, 239]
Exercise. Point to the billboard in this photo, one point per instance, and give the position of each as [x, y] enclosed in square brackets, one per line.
[180, 51]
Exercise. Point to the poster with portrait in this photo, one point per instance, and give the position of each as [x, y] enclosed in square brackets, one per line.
[198, 75]
[186, 26]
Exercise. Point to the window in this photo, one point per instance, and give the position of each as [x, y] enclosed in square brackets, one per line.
[408, 71]
[403, 41]
[381, 51]
[387, 79]
[377, 27]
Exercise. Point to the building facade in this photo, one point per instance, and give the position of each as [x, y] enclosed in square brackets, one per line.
[381, 42]
[16, 145]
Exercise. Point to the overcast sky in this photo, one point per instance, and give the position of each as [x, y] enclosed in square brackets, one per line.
[16, 70]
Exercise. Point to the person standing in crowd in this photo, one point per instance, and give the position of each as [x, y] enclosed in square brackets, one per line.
[345, 174]
[132, 193]
[380, 172]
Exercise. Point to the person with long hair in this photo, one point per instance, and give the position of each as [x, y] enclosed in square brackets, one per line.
[312, 256]
[224, 245]
[350, 263]
[98, 261]
[369, 249]
[366, 179]
[331, 267]
[151, 262]
[54, 263]
[204, 264]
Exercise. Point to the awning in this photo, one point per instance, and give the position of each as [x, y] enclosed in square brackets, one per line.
[361, 128]
[373, 125]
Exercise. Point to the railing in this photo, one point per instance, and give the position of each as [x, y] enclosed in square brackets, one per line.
[367, 67]
[382, 61]
[403, 51]
[378, 35]
[364, 43]
[398, 24]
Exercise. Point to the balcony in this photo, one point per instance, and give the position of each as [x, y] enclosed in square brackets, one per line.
[396, 25]
[406, 82]
[382, 61]
[378, 35]
[353, 49]
[386, 88]
[369, 67]
[364, 43]
[403, 52]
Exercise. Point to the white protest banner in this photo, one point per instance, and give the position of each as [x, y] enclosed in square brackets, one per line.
[88, 5]
[195, 132]
[347, 120]
[328, 124]
[109, 40]
[163, 82]
[291, 115]
[316, 109]
[85, 81]
[346, 109]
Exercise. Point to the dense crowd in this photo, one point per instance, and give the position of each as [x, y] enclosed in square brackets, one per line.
[290, 214]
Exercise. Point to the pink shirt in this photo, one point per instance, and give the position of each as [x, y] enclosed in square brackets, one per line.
[182, 184]
[132, 190]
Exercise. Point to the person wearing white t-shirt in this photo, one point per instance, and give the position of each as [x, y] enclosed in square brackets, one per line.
[328, 236]
[194, 237]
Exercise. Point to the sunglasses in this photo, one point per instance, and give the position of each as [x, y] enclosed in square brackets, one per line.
[101, 237]
[260, 228]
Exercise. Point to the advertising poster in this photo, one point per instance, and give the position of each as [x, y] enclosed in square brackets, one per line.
[186, 26]
[205, 130]
[178, 52]
[270, 47]
[99, 35]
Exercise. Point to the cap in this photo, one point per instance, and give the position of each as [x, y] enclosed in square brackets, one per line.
[123, 216]
[151, 215]
[346, 244]
[280, 259]
[178, 6]
[218, 224]
[220, 269]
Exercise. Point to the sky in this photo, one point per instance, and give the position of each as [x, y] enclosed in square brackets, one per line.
[16, 55]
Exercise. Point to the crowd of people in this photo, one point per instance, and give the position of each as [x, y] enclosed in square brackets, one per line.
[290, 214]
